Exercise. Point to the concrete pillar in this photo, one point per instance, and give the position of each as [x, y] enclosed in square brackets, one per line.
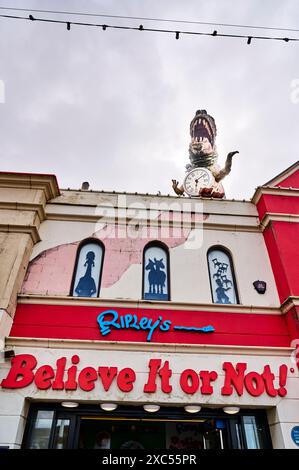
[22, 200]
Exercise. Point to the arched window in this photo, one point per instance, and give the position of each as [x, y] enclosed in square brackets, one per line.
[222, 277]
[88, 269]
[156, 272]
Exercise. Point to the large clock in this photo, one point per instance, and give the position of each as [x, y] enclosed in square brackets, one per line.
[197, 179]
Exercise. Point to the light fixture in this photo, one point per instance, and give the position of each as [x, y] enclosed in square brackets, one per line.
[260, 286]
[192, 408]
[151, 408]
[8, 353]
[108, 406]
[69, 404]
[231, 410]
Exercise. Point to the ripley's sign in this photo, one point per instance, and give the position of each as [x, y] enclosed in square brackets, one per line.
[110, 319]
[236, 378]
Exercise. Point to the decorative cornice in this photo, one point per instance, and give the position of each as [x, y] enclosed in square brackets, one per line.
[11, 342]
[25, 206]
[47, 183]
[289, 303]
[273, 190]
[99, 302]
[172, 224]
[231, 227]
[283, 175]
[272, 217]
[29, 229]
[154, 195]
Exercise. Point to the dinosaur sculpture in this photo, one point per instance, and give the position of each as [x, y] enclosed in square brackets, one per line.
[203, 154]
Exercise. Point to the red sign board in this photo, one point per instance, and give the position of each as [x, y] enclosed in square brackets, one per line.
[147, 324]
[236, 379]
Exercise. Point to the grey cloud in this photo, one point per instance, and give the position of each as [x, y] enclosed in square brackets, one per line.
[114, 107]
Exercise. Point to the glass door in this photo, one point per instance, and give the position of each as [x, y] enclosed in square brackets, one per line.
[253, 432]
[50, 429]
[150, 433]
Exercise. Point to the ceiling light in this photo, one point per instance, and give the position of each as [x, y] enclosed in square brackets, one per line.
[192, 408]
[151, 408]
[69, 404]
[231, 410]
[108, 406]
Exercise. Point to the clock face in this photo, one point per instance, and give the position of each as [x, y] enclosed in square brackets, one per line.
[196, 179]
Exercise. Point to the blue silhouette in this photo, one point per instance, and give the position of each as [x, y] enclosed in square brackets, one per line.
[156, 280]
[222, 298]
[86, 286]
[224, 284]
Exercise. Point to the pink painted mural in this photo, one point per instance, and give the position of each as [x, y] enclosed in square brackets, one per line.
[50, 273]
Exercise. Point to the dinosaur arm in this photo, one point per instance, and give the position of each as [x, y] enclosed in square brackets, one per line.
[227, 167]
[178, 190]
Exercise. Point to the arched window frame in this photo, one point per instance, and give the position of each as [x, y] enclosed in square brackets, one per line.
[84, 242]
[164, 247]
[230, 257]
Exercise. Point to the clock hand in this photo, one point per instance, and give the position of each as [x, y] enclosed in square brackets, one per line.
[199, 178]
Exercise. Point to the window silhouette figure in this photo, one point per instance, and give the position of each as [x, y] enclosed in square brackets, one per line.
[86, 280]
[222, 279]
[155, 273]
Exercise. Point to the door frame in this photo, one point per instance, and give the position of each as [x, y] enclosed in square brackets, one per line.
[137, 412]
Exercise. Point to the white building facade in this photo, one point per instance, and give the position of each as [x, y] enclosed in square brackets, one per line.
[120, 311]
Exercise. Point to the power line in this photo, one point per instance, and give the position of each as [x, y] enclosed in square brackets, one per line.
[230, 25]
[155, 30]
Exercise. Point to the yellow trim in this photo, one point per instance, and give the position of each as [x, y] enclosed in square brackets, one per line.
[104, 418]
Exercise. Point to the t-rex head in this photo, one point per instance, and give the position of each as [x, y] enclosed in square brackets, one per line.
[202, 149]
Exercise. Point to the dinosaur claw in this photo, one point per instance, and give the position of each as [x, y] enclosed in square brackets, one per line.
[231, 154]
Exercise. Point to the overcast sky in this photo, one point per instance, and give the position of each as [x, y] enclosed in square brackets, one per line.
[114, 108]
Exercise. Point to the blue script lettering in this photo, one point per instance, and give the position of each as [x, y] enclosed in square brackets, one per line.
[110, 318]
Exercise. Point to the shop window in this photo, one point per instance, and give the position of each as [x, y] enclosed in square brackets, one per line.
[156, 272]
[41, 431]
[88, 269]
[253, 433]
[222, 278]
[61, 433]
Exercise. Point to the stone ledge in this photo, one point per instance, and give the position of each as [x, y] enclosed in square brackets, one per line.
[75, 344]
[25, 206]
[47, 183]
[277, 217]
[29, 229]
[138, 303]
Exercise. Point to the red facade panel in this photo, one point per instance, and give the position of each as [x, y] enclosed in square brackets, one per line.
[275, 204]
[79, 322]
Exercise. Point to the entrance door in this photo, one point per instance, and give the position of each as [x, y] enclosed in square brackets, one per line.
[151, 433]
[51, 427]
